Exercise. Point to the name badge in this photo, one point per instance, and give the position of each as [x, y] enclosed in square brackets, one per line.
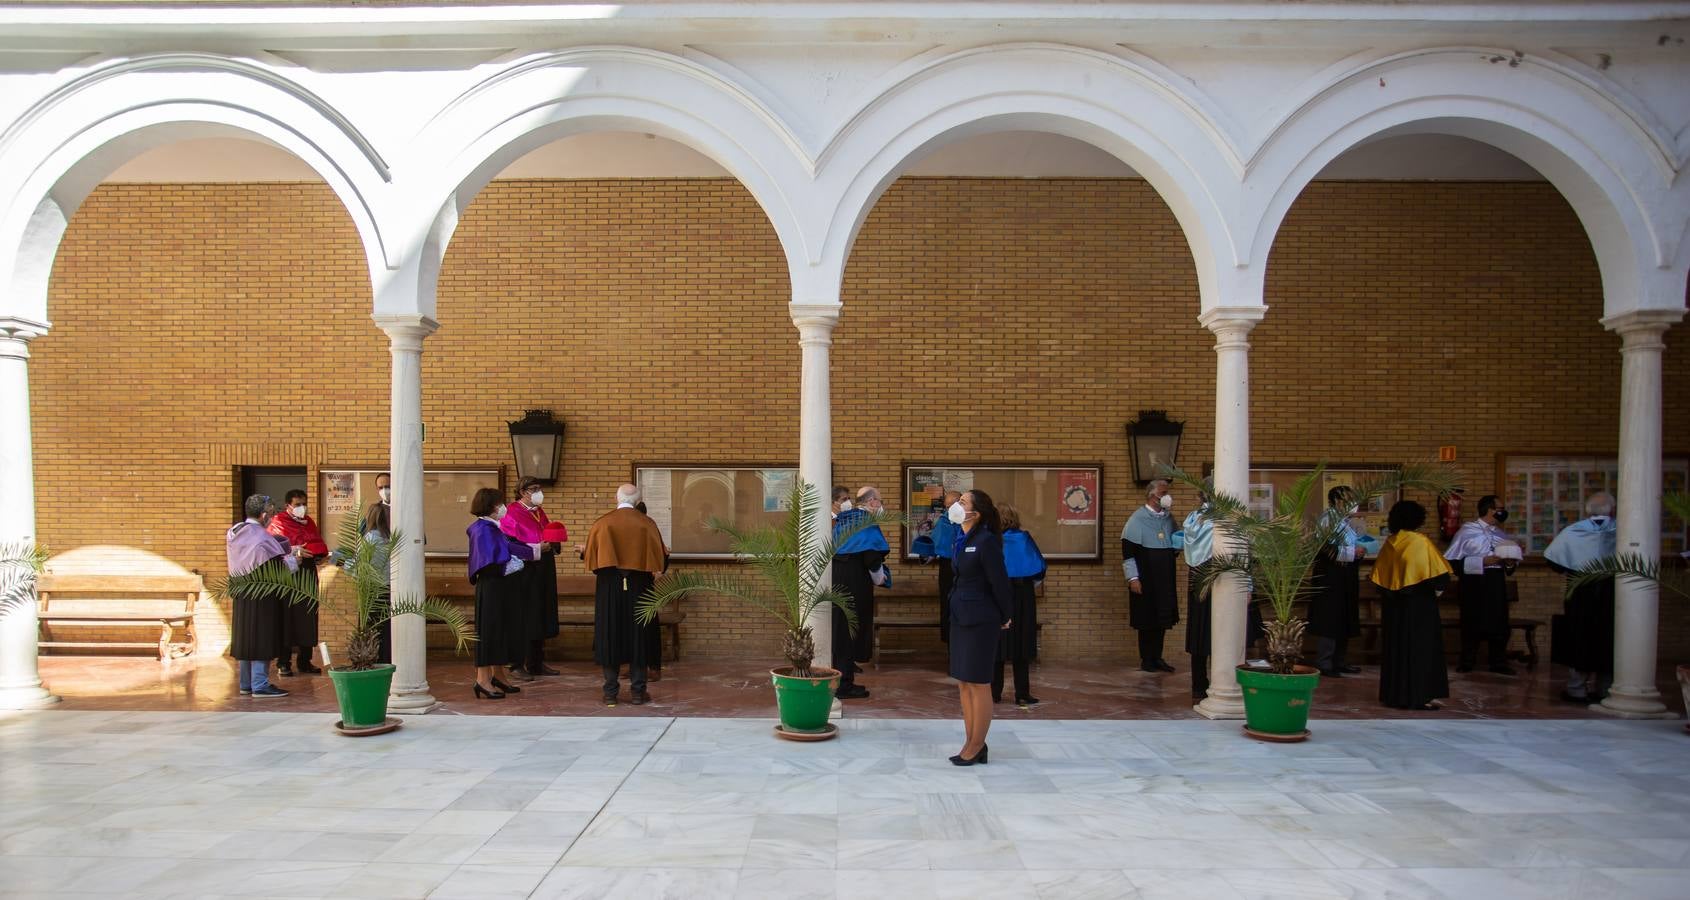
[971, 549]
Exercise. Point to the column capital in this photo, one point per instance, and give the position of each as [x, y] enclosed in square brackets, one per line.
[817, 315]
[406, 330]
[1235, 319]
[1643, 327]
[16, 333]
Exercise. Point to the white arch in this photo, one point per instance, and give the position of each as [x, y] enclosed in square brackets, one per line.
[541, 100]
[1613, 168]
[1106, 101]
[55, 154]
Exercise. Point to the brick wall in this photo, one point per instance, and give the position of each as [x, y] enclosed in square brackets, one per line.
[200, 327]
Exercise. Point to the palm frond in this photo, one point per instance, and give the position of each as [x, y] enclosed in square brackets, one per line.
[433, 609]
[1292, 501]
[1678, 505]
[839, 600]
[21, 562]
[271, 580]
[1634, 566]
[675, 585]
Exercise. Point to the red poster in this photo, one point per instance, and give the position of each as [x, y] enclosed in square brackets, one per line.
[1078, 498]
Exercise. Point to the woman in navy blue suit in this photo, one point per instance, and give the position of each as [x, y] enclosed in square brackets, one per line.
[980, 610]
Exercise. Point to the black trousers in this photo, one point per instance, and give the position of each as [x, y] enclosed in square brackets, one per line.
[536, 656]
[1330, 653]
[1199, 675]
[1023, 680]
[1150, 644]
[1498, 646]
[612, 684]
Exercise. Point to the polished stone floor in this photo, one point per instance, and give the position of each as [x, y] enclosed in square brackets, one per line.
[910, 688]
[202, 804]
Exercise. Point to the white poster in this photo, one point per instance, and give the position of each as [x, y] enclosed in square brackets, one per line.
[659, 503]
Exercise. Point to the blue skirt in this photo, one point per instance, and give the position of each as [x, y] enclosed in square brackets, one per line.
[974, 652]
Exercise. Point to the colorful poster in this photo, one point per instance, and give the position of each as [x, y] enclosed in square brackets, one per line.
[340, 493]
[1261, 500]
[959, 480]
[1077, 492]
[927, 486]
[777, 489]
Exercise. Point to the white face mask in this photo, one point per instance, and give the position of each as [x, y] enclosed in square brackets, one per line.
[956, 513]
[298, 512]
[536, 497]
[1166, 501]
[844, 506]
[499, 511]
[1599, 519]
[386, 494]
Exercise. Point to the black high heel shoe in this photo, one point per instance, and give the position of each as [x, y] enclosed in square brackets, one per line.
[491, 695]
[505, 687]
[979, 759]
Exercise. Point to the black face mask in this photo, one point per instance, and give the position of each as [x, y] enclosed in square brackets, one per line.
[1500, 515]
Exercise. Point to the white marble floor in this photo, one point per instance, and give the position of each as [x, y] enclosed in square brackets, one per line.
[165, 804]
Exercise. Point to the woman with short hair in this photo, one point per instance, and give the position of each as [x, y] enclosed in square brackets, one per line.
[500, 595]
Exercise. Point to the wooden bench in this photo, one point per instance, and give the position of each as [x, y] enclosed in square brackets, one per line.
[1449, 615]
[164, 601]
[912, 602]
[572, 590]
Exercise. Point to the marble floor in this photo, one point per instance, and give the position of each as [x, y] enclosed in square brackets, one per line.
[908, 688]
[151, 804]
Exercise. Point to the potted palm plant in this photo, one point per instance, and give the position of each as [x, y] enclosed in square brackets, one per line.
[1636, 565]
[1276, 553]
[361, 682]
[787, 564]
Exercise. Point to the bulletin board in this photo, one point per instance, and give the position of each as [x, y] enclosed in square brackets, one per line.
[1269, 480]
[1545, 493]
[1061, 506]
[682, 499]
[344, 491]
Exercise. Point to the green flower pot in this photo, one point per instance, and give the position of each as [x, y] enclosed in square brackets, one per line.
[362, 695]
[804, 702]
[1276, 707]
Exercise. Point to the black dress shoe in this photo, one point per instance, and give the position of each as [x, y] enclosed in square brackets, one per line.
[543, 669]
[852, 692]
[481, 692]
[505, 687]
[1350, 670]
[1148, 667]
[1162, 664]
[1464, 669]
[1330, 673]
[610, 701]
[1503, 670]
[1026, 701]
[1574, 698]
[641, 698]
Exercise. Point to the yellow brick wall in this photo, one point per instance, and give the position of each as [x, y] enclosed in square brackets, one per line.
[198, 327]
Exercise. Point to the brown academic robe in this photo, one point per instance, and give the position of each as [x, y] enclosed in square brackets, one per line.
[625, 550]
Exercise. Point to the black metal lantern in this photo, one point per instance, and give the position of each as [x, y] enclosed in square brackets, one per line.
[537, 441]
[1155, 443]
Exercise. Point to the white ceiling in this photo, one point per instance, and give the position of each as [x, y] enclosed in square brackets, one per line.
[1013, 154]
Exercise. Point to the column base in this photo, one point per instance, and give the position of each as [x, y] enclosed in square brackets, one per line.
[1219, 705]
[36, 697]
[1634, 705]
[837, 710]
[420, 703]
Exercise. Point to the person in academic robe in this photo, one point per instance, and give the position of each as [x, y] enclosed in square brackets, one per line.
[1025, 566]
[258, 619]
[1483, 586]
[624, 551]
[653, 630]
[1198, 548]
[306, 543]
[1410, 574]
[1335, 602]
[1584, 637]
[526, 522]
[981, 605]
[501, 595]
[859, 555]
[945, 537]
[1148, 553]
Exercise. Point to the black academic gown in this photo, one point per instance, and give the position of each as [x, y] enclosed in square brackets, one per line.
[1335, 603]
[501, 609]
[1157, 608]
[1412, 670]
[1020, 641]
[299, 625]
[1484, 604]
[1585, 640]
[1199, 631]
[617, 636]
[543, 622]
[259, 622]
[851, 576]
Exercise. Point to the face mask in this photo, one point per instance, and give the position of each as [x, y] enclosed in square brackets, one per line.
[1599, 519]
[1167, 501]
[298, 512]
[499, 511]
[386, 494]
[1500, 516]
[844, 506]
[956, 513]
[536, 497]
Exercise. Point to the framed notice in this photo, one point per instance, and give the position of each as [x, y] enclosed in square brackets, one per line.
[1270, 480]
[1061, 506]
[683, 499]
[1545, 493]
[348, 491]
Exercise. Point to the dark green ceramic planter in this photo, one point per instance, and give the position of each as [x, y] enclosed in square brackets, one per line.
[1276, 707]
[804, 702]
[362, 695]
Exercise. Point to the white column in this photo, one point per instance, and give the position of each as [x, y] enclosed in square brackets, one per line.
[410, 637]
[20, 680]
[1231, 326]
[1636, 603]
[815, 323]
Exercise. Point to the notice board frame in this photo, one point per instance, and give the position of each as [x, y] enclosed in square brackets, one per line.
[361, 503]
[634, 468]
[1093, 556]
